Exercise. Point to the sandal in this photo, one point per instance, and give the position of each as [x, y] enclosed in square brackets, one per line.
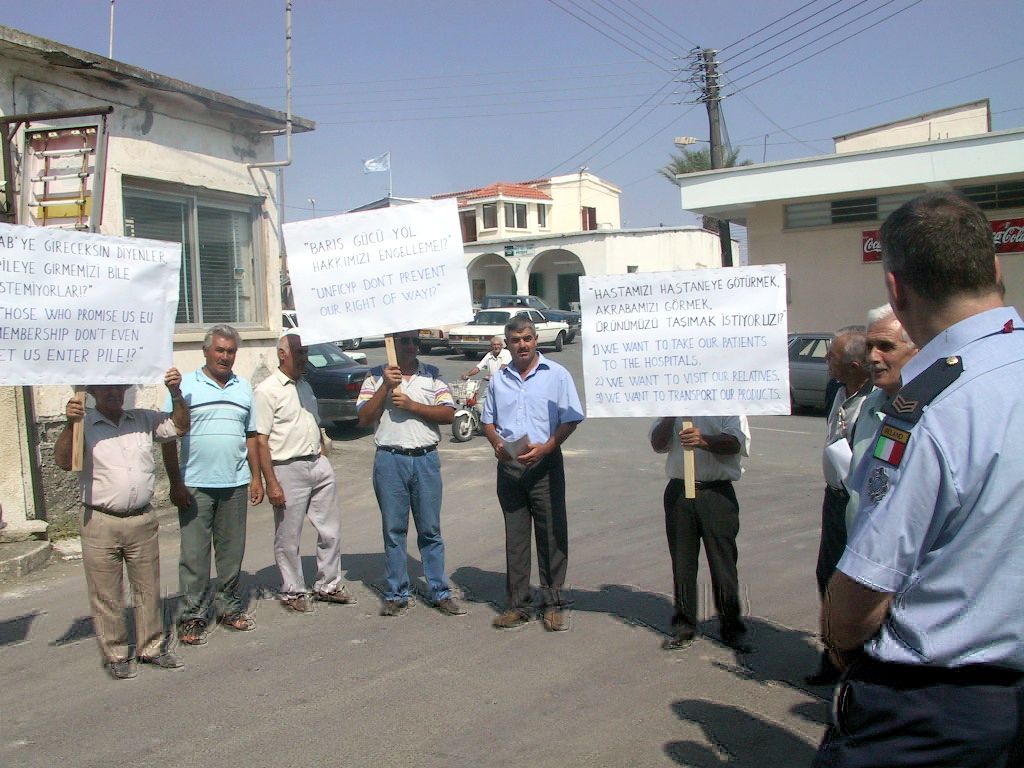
[192, 632]
[238, 621]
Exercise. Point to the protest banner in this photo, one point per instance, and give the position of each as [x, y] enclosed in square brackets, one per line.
[82, 308]
[378, 272]
[705, 342]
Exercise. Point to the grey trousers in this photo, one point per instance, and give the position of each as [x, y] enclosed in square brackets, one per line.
[309, 491]
[111, 545]
[217, 516]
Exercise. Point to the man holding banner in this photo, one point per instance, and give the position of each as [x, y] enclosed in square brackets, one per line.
[712, 516]
[119, 527]
[531, 409]
[405, 403]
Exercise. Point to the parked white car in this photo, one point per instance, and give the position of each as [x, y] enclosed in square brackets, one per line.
[473, 339]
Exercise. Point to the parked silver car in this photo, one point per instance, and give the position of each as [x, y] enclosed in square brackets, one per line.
[808, 369]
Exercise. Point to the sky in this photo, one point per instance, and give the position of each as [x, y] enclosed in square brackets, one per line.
[465, 93]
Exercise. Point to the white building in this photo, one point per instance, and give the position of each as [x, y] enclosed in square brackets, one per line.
[140, 155]
[540, 236]
[820, 216]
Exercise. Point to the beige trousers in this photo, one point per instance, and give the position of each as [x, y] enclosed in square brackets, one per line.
[110, 545]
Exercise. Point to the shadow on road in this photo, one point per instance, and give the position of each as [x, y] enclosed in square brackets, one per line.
[739, 739]
[15, 630]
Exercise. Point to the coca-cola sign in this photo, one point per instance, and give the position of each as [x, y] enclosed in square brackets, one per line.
[871, 246]
[1007, 236]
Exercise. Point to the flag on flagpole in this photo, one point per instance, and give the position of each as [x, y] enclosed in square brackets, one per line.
[379, 163]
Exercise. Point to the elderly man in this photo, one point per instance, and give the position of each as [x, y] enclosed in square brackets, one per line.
[923, 608]
[119, 527]
[889, 348]
[299, 479]
[221, 474]
[846, 364]
[406, 403]
[712, 517]
[497, 357]
[531, 409]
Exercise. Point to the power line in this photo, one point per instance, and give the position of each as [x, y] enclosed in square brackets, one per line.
[659, 132]
[614, 127]
[827, 48]
[670, 48]
[653, 29]
[605, 34]
[766, 26]
[798, 35]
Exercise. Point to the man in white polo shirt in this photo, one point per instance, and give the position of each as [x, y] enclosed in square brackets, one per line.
[299, 479]
[221, 475]
[406, 403]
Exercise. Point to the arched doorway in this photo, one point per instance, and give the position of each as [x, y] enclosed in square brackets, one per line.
[490, 273]
[555, 277]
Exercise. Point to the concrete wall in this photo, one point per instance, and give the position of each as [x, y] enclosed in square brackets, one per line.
[571, 192]
[969, 120]
[829, 284]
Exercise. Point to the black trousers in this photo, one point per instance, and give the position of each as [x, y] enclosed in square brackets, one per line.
[833, 535]
[535, 495]
[897, 715]
[714, 518]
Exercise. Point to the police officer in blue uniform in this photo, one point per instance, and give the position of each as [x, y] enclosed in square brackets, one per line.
[924, 610]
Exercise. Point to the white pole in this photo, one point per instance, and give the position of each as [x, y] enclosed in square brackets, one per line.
[110, 48]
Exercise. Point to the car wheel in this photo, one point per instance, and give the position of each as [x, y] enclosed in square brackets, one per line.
[354, 343]
[559, 341]
[462, 427]
[571, 339]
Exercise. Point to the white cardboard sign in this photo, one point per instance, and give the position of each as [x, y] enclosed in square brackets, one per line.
[82, 308]
[375, 272]
[704, 342]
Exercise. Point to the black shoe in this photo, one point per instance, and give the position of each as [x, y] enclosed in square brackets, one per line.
[165, 660]
[732, 636]
[679, 641]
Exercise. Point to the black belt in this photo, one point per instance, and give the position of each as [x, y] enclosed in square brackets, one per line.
[408, 451]
[708, 484]
[307, 457]
[913, 675]
[118, 513]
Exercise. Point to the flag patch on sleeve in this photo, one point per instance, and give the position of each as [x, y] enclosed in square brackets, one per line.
[892, 442]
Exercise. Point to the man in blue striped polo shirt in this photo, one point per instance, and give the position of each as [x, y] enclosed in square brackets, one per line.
[221, 474]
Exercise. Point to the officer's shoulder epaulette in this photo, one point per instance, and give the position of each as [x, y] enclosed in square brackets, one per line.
[911, 401]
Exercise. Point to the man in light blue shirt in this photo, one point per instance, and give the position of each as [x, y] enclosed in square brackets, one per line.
[221, 475]
[531, 409]
[923, 610]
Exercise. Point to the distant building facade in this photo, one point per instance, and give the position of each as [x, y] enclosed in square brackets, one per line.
[820, 216]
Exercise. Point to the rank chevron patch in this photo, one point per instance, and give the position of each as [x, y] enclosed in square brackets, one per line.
[902, 405]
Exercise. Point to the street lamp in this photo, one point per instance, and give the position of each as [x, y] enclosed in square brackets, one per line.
[684, 141]
[312, 202]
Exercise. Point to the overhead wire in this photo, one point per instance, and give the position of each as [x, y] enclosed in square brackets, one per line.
[822, 50]
[639, 7]
[767, 26]
[672, 50]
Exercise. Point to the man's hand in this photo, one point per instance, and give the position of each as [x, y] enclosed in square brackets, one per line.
[172, 380]
[534, 453]
[180, 497]
[255, 490]
[392, 376]
[501, 454]
[275, 493]
[401, 400]
[74, 411]
[691, 438]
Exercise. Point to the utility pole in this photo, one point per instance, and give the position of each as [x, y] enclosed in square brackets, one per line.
[711, 97]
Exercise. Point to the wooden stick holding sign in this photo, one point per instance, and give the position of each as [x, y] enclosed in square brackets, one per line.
[389, 347]
[78, 435]
[689, 471]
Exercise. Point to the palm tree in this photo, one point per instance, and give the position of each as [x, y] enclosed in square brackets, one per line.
[695, 160]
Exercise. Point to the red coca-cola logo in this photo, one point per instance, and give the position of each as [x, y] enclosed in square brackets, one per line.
[871, 246]
[1008, 235]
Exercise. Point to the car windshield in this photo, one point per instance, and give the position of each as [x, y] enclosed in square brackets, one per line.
[491, 318]
[326, 355]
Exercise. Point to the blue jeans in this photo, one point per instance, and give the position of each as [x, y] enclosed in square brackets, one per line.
[402, 483]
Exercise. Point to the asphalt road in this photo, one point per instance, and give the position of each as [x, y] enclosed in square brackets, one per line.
[345, 686]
